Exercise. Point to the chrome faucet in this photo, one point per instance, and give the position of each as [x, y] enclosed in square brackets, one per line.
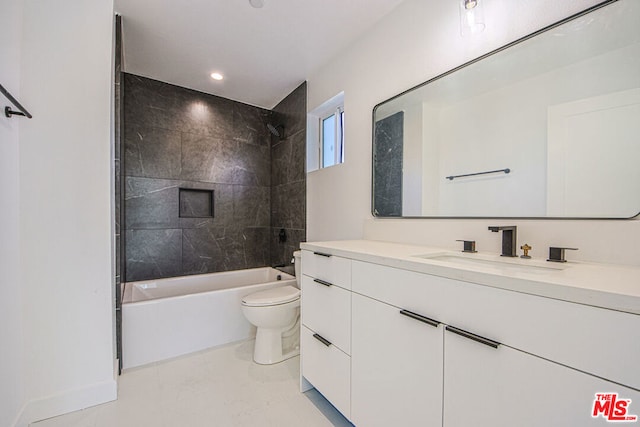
[508, 239]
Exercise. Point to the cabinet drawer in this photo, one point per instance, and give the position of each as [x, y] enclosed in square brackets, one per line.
[330, 268]
[503, 387]
[328, 369]
[601, 342]
[327, 311]
[605, 343]
[416, 292]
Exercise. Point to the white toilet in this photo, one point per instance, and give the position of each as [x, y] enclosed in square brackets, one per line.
[276, 315]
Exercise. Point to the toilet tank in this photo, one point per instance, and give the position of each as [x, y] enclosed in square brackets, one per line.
[297, 259]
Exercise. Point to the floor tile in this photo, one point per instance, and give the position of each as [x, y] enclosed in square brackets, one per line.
[217, 387]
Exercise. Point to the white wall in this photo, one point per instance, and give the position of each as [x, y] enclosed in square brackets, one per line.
[417, 41]
[56, 174]
[412, 172]
[482, 145]
[11, 373]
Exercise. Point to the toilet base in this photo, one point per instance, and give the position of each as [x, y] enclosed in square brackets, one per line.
[273, 359]
[268, 348]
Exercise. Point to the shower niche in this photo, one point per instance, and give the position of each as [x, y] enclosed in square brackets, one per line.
[195, 203]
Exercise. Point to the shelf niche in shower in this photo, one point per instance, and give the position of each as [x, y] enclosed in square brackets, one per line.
[196, 203]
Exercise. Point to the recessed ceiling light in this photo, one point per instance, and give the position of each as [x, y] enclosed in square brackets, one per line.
[216, 76]
[256, 3]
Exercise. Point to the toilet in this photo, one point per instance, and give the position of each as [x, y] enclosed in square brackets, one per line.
[276, 315]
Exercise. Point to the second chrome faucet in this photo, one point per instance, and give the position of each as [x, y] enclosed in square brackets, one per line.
[509, 238]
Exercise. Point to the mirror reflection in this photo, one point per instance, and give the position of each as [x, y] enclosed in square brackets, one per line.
[546, 127]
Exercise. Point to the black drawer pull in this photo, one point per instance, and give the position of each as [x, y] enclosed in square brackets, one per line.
[474, 337]
[322, 254]
[420, 318]
[322, 340]
[322, 282]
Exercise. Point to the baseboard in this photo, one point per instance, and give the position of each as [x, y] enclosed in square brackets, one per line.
[69, 401]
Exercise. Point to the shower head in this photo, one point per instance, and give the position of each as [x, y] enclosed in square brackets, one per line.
[276, 130]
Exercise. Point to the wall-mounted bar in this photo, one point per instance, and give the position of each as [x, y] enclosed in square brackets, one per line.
[452, 177]
[8, 111]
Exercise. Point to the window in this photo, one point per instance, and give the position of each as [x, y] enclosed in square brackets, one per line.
[332, 138]
[325, 136]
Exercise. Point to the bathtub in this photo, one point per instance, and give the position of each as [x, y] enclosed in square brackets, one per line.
[170, 317]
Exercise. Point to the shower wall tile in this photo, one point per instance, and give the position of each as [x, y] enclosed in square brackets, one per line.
[118, 263]
[254, 166]
[151, 203]
[117, 115]
[153, 253]
[250, 125]
[292, 111]
[288, 205]
[288, 160]
[204, 114]
[255, 245]
[288, 179]
[152, 152]
[251, 206]
[214, 249]
[224, 161]
[180, 138]
[149, 103]
[162, 105]
[207, 159]
[203, 250]
[154, 204]
[117, 180]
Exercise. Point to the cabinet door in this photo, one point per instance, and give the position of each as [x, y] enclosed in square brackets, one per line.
[396, 367]
[327, 368]
[493, 387]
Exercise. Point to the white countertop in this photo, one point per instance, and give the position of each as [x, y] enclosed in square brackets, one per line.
[608, 286]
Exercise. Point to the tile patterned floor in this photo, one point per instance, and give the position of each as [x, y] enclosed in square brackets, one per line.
[218, 387]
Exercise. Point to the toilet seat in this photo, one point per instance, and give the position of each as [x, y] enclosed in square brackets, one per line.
[275, 296]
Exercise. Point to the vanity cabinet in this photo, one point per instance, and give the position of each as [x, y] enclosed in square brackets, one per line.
[397, 366]
[326, 326]
[410, 348]
[497, 357]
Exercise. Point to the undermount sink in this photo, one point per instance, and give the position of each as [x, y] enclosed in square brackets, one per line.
[487, 261]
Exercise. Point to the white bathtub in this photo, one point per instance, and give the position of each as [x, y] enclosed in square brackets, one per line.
[170, 317]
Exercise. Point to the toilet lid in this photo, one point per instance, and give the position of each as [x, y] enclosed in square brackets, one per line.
[275, 296]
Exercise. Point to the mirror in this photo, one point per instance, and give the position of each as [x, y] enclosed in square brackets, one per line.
[545, 127]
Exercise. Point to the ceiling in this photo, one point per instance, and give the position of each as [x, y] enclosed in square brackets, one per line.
[263, 53]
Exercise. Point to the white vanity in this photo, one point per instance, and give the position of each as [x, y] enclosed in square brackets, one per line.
[399, 335]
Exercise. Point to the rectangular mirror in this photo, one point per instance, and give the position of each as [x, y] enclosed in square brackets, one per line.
[545, 127]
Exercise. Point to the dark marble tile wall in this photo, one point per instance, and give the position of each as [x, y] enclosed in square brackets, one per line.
[288, 178]
[387, 200]
[179, 138]
[118, 183]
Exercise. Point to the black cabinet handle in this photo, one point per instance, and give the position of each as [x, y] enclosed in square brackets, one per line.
[322, 254]
[322, 282]
[420, 318]
[474, 337]
[322, 340]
